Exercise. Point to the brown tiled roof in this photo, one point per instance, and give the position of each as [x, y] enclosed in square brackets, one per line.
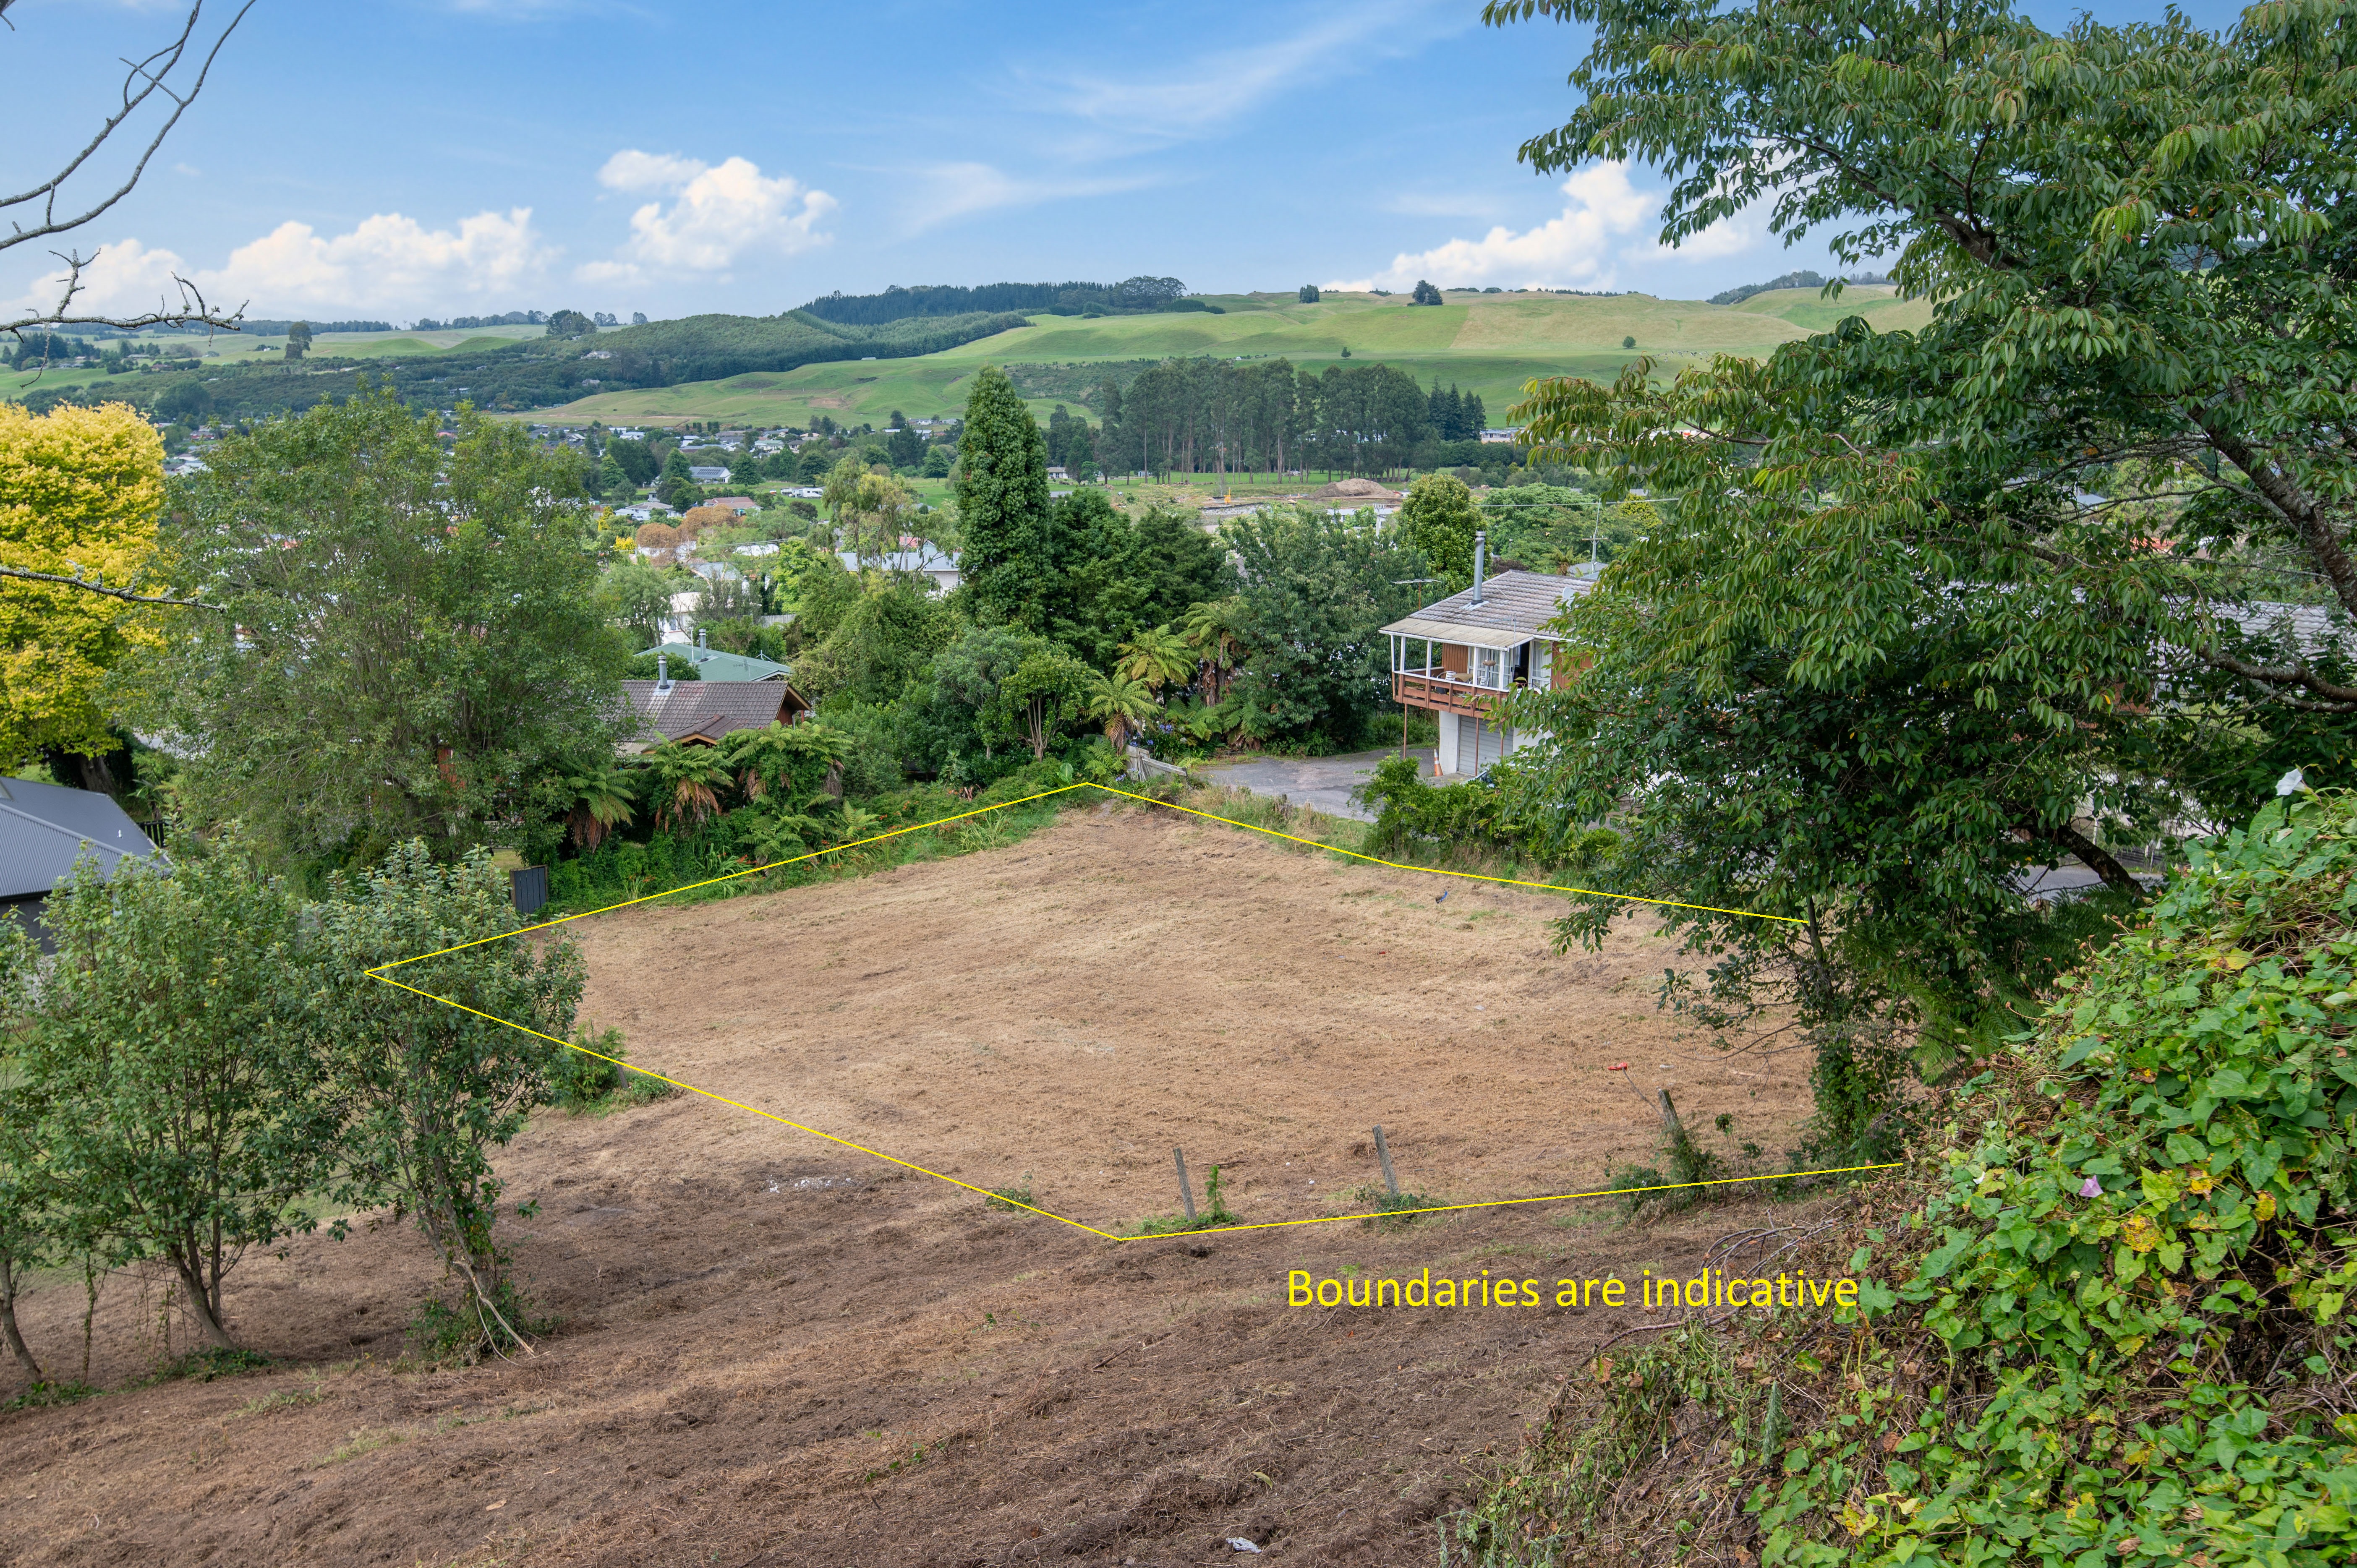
[706, 709]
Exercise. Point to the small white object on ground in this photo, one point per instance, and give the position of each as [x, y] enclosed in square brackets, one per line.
[1239, 1543]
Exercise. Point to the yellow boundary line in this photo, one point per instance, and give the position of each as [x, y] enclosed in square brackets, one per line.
[377, 972]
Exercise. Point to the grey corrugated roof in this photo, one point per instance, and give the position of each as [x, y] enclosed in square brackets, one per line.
[1518, 602]
[709, 708]
[44, 827]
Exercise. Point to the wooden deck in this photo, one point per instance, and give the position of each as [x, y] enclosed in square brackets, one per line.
[1435, 690]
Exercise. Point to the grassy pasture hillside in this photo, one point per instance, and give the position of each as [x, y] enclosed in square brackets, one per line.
[1490, 344]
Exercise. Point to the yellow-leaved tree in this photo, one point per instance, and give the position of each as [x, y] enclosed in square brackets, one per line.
[79, 487]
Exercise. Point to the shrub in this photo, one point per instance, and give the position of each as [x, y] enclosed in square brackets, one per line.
[2117, 1317]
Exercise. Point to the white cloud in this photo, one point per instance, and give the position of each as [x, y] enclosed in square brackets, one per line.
[1211, 91]
[388, 262]
[950, 191]
[724, 213]
[633, 170]
[1600, 233]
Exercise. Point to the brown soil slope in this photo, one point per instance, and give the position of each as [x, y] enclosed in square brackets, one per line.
[775, 1350]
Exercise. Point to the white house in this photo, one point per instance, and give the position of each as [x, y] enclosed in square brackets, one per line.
[1461, 659]
[943, 569]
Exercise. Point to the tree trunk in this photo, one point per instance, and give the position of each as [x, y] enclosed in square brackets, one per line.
[2094, 857]
[200, 1304]
[8, 1329]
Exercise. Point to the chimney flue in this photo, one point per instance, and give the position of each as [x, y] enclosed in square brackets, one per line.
[662, 673]
[1480, 556]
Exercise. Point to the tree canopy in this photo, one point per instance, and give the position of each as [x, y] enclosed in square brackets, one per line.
[415, 642]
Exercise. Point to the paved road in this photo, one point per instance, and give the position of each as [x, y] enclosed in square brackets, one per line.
[1323, 782]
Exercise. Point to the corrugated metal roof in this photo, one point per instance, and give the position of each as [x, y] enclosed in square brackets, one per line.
[1456, 631]
[1516, 603]
[44, 827]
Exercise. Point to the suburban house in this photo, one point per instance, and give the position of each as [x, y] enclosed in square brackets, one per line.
[743, 506]
[44, 829]
[925, 560]
[1461, 659]
[707, 474]
[699, 713]
[712, 664]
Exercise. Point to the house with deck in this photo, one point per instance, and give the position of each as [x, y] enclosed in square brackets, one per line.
[1461, 659]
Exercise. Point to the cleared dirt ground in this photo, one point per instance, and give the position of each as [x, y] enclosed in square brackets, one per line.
[758, 1326]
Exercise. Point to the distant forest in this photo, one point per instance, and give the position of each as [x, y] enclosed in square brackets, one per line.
[535, 373]
[1133, 297]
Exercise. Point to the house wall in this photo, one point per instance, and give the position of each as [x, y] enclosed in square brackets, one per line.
[1457, 658]
[1446, 751]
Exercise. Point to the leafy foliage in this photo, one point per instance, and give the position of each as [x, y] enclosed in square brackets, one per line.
[414, 646]
[177, 1094]
[2115, 1317]
[79, 487]
[1316, 587]
[428, 1090]
[1010, 561]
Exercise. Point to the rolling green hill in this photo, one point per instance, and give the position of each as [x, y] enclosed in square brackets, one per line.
[1490, 344]
[789, 369]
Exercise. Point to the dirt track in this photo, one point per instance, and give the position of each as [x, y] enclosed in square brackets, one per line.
[757, 1325]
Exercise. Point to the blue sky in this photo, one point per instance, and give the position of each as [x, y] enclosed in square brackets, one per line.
[437, 157]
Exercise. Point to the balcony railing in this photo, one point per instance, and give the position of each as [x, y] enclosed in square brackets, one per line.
[1442, 692]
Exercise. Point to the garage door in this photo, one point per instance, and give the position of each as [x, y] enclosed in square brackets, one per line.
[1494, 744]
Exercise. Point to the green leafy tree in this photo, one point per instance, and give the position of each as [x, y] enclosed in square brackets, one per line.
[1317, 587]
[1120, 703]
[2136, 265]
[1009, 564]
[299, 340]
[1439, 519]
[1125, 574]
[1307, 294]
[413, 644]
[32, 1226]
[950, 717]
[1041, 695]
[884, 640]
[185, 1115]
[637, 596]
[612, 482]
[1156, 657]
[570, 324]
[676, 488]
[596, 799]
[1213, 633]
[792, 763]
[428, 1090]
[685, 783]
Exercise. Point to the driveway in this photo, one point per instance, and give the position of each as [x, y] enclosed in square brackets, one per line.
[1323, 782]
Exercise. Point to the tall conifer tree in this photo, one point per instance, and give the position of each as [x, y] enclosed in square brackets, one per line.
[1009, 558]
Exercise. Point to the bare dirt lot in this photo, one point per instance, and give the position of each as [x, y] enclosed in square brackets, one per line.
[775, 1350]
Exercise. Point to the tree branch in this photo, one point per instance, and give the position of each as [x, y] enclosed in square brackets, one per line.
[2092, 855]
[77, 581]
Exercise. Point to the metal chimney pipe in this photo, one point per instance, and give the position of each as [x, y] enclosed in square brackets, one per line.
[1481, 557]
[662, 673]
[702, 645]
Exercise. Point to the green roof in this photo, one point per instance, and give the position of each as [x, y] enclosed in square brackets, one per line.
[711, 664]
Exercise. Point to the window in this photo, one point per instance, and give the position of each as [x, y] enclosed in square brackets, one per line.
[1489, 669]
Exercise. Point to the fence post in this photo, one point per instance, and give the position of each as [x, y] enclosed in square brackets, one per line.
[1669, 1115]
[1383, 1152]
[1186, 1190]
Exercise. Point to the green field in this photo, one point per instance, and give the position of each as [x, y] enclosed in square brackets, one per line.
[1490, 344]
[228, 349]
